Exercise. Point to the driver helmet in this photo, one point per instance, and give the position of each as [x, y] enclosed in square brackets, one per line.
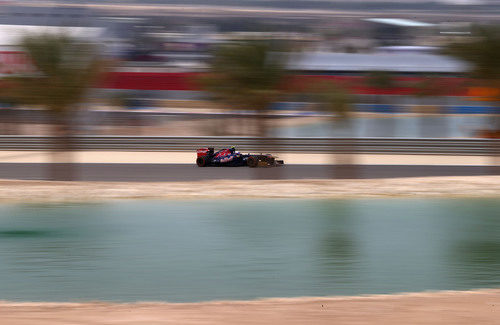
[232, 149]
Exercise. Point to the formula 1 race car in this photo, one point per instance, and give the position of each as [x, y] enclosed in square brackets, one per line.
[231, 158]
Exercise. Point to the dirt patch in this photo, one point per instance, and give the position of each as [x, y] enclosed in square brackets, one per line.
[466, 186]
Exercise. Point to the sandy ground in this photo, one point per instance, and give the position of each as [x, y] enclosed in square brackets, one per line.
[43, 191]
[448, 307]
[289, 158]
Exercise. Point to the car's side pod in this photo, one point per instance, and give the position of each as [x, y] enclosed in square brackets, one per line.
[204, 152]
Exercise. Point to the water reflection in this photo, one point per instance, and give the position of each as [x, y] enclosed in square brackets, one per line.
[337, 247]
[26, 233]
[47, 242]
[476, 253]
[242, 249]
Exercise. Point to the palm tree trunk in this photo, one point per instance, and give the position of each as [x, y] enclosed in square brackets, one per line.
[62, 167]
[261, 143]
[495, 150]
[344, 162]
[264, 144]
[9, 121]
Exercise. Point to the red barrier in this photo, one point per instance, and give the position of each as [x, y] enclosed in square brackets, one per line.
[187, 81]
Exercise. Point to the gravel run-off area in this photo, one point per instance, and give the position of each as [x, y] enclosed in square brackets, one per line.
[48, 191]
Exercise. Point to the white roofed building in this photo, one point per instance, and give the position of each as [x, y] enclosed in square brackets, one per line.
[327, 62]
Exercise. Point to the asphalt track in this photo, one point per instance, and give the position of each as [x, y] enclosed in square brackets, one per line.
[187, 172]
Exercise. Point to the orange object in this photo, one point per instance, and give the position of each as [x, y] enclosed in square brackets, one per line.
[483, 93]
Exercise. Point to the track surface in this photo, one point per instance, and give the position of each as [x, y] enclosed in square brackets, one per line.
[186, 172]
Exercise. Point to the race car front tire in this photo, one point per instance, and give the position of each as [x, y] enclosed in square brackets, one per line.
[252, 161]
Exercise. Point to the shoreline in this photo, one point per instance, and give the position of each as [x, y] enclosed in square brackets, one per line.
[28, 191]
[368, 296]
[480, 306]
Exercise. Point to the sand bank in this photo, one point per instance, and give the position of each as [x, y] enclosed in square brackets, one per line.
[463, 186]
[447, 307]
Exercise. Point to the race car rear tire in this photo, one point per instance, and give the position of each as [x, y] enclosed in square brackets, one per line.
[252, 161]
[201, 161]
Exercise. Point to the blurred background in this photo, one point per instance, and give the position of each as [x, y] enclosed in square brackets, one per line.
[338, 89]
[275, 69]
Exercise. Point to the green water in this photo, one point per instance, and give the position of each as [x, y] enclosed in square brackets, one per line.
[243, 249]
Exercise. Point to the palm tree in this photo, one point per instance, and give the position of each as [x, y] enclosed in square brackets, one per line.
[63, 71]
[383, 80]
[8, 118]
[334, 100]
[338, 102]
[482, 52]
[425, 90]
[380, 79]
[247, 75]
